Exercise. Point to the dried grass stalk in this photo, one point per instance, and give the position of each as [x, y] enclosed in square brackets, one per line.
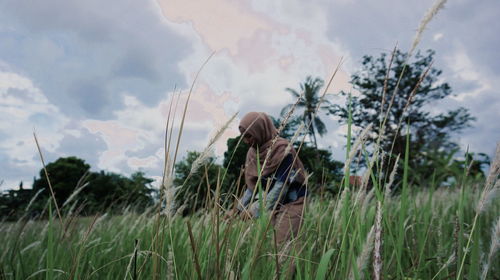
[74, 194]
[391, 179]
[492, 183]
[438, 5]
[361, 139]
[209, 149]
[495, 244]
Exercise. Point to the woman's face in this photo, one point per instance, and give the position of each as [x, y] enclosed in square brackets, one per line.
[247, 137]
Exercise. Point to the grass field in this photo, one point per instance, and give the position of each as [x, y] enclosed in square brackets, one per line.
[431, 234]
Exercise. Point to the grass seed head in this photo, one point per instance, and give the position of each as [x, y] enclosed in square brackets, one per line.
[438, 5]
[494, 246]
[363, 257]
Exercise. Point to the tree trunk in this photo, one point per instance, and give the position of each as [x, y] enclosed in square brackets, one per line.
[314, 137]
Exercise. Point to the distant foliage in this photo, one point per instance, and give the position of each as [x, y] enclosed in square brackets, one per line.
[309, 104]
[234, 158]
[64, 174]
[325, 172]
[76, 187]
[196, 189]
[108, 190]
[290, 127]
[419, 87]
[13, 202]
[450, 167]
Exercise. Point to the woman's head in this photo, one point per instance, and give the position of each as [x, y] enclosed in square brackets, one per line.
[257, 128]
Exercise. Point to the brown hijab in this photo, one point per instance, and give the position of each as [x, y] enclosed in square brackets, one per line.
[262, 129]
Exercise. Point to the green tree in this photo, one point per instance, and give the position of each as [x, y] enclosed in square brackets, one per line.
[14, 201]
[234, 159]
[451, 167]
[308, 100]
[291, 126]
[198, 188]
[104, 190]
[408, 105]
[141, 188]
[110, 191]
[324, 171]
[64, 175]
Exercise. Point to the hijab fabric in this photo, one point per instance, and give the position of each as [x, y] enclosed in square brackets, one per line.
[260, 126]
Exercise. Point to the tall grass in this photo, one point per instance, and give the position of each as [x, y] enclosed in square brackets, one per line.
[189, 252]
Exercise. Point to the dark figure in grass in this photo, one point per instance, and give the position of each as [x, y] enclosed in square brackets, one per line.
[282, 177]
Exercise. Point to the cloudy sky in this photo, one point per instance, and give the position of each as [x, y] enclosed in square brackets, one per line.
[94, 79]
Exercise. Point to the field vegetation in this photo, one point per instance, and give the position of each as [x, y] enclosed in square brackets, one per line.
[436, 233]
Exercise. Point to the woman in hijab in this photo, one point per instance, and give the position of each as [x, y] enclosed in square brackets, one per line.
[282, 175]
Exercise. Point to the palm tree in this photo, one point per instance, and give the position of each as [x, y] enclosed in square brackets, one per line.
[309, 102]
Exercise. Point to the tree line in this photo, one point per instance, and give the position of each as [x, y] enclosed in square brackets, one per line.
[77, 189]
[390, 93]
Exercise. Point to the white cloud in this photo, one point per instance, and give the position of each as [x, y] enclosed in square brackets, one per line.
[135, 138]
[84, 54]
[464, 69]
[25, 108]
[437, 36]
[268, 49]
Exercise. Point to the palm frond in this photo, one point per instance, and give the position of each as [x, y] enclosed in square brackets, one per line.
[286, 109]
[293, 92]
[320, 126]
